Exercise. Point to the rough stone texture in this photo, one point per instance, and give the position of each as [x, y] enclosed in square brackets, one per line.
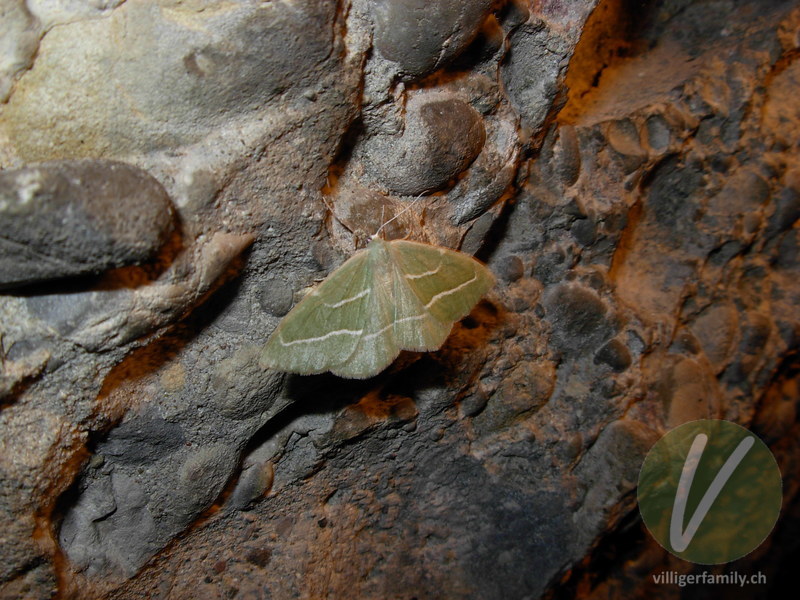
[90, 91]
[58, 12]
[19, 39]
[68, 218]
[531, 88]
[642, 224]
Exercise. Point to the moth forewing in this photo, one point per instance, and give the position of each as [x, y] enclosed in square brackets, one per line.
[323, 329]
[391, 296]
[448, 283]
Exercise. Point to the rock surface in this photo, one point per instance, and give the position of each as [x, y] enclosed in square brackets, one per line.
[442, 136]
[68, 218]
[630, 175]
[421, 36]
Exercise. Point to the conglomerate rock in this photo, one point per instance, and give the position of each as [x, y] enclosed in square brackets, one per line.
[630, 175]
[68, 218]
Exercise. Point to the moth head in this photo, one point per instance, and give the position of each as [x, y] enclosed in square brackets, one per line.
[369, 215]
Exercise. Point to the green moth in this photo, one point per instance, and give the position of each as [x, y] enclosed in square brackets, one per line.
[391, 296]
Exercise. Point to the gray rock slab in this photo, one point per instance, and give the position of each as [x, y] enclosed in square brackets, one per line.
[65, 218]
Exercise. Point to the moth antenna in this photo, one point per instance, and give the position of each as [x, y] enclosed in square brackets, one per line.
[333, 214]
[327, 205]
[402, 212]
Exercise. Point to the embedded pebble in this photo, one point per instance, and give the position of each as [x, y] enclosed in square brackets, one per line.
[490, 175]
[551, 266]
[442, 137]
[523, 390]
[531, 70]
[685, 343]
[476, 235]
[566, 155]
[658, 133]
[259, 556]
[615, 355]
[688, 391]
[67, 218]
[254, 482]
[579, 318]
[276, 297]
[584, 231]
[509, 268]
[474, 403]
[743, 194]
[623, 137]
[142, 438]
[203, 476]
[242, 388]
[787, 211]
[717, 329]
[420, 36]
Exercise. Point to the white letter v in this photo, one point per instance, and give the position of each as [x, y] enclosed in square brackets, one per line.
[680, 540]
